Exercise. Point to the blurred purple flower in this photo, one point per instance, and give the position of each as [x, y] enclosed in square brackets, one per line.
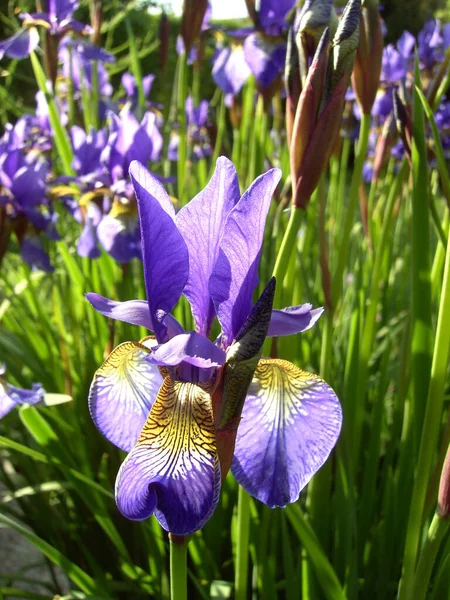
[230, 69]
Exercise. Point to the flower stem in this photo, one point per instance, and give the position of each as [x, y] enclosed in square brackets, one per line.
[435, 535]
[178, 568]
[243, 525]
[287, 246]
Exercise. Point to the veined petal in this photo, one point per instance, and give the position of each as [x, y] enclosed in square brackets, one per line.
[164, 251]
[290, 423]
[293, 319]
[135, 312]
[235, 273]
[122, 394]
[201, 223]
[174, 469]
[192, 348]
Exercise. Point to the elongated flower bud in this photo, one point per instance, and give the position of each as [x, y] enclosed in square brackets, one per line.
[191, 21]
[403, 121]
[443, 509]
[367, 69]
[310, 24]
[242, 359]
[292, 82]
[319, 111]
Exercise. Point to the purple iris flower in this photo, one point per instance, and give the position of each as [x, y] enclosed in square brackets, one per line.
[196, 121]
[130, 140]
[23, 193]
[170, 401]
[12, 396]
[77, 57]
[265, 48]
[58, 20]
[230, 69]
[429, 42]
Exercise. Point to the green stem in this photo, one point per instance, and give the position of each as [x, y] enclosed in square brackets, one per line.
[351, 209]
[242, 546]
[178, 569]
[182, 147]
[430, 433]
[435, 535]
[287, 247]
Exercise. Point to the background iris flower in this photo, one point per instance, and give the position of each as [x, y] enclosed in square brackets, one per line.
[174, 402]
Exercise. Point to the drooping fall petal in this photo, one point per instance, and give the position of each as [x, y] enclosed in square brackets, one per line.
[174, 470]
[290, 423]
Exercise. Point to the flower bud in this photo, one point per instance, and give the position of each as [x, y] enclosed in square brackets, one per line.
[191, 21]
[310, 24]
[319, 111]
[242, 359]
[443, 509]
[368, 60]
[403, 121]
[292, 82]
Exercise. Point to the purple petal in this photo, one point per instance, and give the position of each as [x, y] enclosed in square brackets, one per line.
[272, 15]
[265, 57]
[192, 348]
[235, 273]
[33, 254]
[11, 396]
[132, 311]
[165, 254]
[119, 236]
[20, 44]
[6, 403]
[122, 394]
[201, 222]
[174, 469]
[231, 70]
[293, 319]
[290, 423]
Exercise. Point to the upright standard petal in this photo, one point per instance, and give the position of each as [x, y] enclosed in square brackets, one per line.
[164, 251]
[290, 423]
[122, 394]
[201, 222]
[174, 469]
[235, 274]
[293, 319]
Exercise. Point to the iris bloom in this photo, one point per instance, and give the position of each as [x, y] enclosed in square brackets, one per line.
[174, 402]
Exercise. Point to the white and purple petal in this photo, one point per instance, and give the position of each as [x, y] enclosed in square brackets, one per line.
[174, 470]
[293, 319]
[235, 274]
[201, 223]
[164, 251]
[122, 394]
[20, 44]
[290, 423]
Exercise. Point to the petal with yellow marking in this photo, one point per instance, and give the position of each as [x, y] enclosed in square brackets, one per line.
[122, 394]
[290, 422]
[174, 469]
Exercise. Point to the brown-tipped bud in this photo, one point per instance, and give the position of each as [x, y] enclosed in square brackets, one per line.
[367, 69]
[251, 7]
[345, 43]
[403, 121]
[319, 111]
[96, 21]
[310, 24]
[191, 21]
[164, 36]
[443, 508]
